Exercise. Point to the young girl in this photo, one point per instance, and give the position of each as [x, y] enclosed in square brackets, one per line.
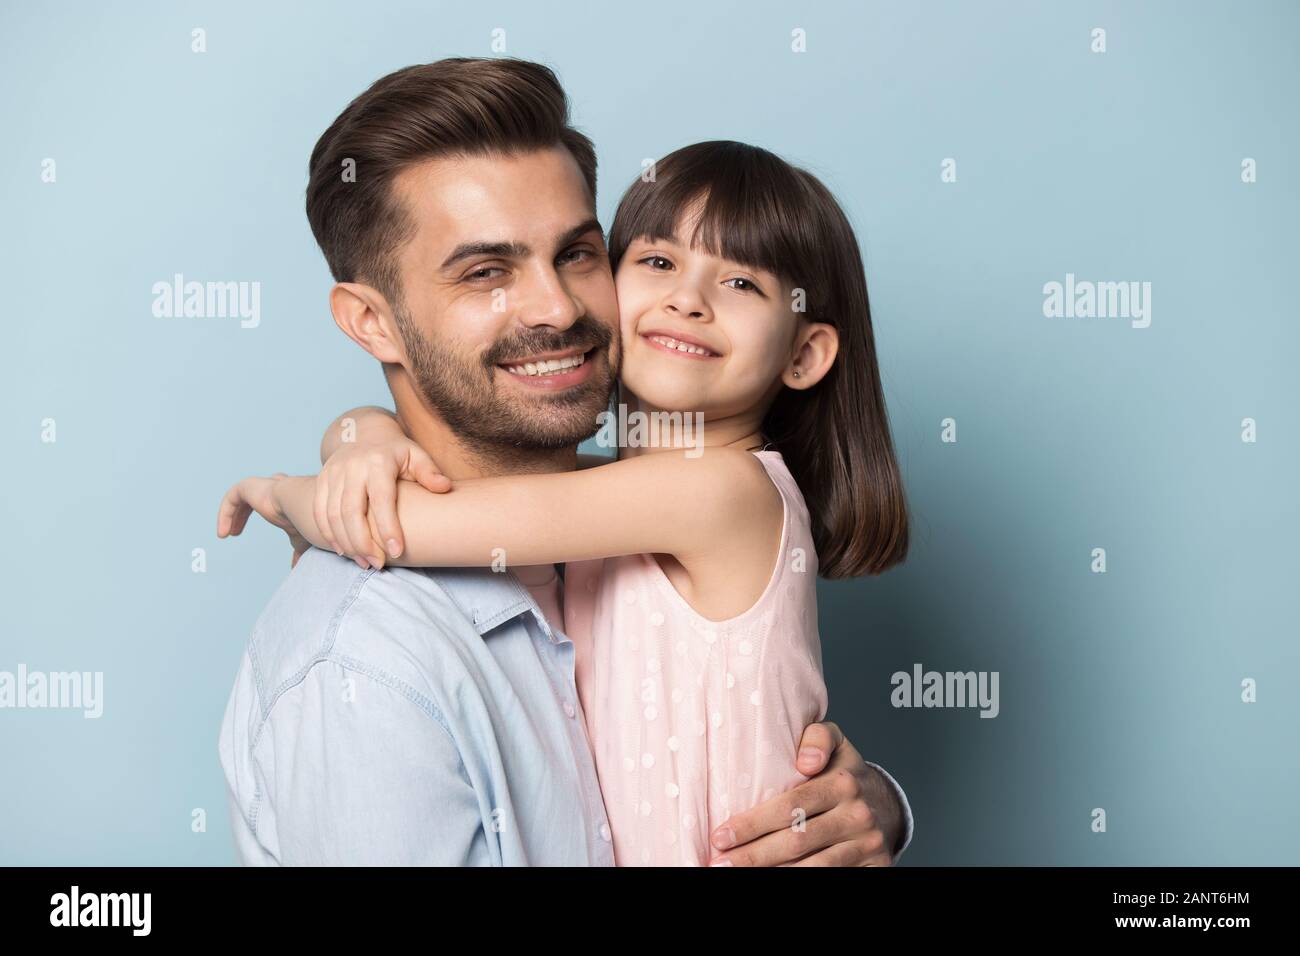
[691, 596]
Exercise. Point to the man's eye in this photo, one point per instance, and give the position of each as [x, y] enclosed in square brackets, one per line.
[483, 274]
[575, 255]
[657, 263]
[744, 285]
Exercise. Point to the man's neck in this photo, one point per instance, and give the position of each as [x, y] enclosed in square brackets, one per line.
[458, 460]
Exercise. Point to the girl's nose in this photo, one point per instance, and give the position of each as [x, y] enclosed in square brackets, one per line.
[688, 303]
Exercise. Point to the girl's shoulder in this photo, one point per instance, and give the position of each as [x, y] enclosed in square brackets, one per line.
[718, 486]
[755, 569]
[774, 466]
[751, 483]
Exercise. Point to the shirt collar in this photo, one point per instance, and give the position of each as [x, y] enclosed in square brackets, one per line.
[490, 598]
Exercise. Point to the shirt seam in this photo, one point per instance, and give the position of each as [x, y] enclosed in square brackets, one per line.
[378, 676]
[523, 602]
[348, 662]
[267, 701]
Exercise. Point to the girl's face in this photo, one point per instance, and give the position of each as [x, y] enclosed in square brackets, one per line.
[700, 333]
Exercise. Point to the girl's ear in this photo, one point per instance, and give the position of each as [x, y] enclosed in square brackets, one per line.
[363, 314]
[814, 354]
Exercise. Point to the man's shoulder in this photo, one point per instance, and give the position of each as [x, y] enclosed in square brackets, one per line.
[406, 624]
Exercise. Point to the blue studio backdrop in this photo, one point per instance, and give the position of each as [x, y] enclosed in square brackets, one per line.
[1078, 222]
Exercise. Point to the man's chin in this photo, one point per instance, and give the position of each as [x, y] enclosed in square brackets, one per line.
[501, 412]
[554, 420]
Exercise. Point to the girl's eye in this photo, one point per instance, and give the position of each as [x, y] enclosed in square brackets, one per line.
[658, 263]
[744, 285]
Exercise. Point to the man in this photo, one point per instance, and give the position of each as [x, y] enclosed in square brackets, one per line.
[431, 716]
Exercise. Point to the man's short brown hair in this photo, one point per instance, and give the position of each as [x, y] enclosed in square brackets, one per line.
[459, 106]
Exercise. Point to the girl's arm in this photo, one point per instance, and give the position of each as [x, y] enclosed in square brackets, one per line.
[366, 425]
[662, 503]
[364, 453]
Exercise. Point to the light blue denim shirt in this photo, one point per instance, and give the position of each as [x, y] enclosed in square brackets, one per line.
[411, 716]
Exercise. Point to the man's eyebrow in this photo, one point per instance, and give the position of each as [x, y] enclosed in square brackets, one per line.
[577, 232]
[506, 250]
[514, 250]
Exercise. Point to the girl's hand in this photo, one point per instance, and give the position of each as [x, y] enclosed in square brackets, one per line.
[357, 490]
[257, 494]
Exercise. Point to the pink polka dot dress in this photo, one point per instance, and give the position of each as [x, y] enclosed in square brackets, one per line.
[693, 720]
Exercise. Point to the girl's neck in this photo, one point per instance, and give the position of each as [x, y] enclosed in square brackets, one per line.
[650, 430]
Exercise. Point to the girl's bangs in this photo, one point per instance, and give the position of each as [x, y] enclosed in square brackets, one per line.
[743, 206]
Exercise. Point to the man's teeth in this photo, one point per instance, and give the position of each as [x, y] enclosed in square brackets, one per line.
[679, 346]
[548, 367]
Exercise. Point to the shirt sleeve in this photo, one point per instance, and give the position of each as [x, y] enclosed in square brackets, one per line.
[902, 800]
[358, 769]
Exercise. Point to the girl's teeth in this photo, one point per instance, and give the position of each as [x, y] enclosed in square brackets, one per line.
[549, 367]
[679, 346]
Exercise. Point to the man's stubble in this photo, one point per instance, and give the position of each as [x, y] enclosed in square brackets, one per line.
[490, 417]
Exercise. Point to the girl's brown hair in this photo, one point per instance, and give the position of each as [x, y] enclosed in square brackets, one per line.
[760, 211]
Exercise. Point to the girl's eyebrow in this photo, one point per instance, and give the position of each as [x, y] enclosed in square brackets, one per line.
[651, 240]
[768, 276]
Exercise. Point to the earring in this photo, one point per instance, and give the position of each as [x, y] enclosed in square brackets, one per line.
[796, 373]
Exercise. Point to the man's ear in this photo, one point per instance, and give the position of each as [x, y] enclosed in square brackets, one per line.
[362, 312]
[814, 354]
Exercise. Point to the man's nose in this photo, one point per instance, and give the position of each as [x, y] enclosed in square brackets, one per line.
[545, 300]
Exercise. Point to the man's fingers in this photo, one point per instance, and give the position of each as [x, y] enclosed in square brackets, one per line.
[772, 816]
[865, 852]
[804, 834]
[816, 745]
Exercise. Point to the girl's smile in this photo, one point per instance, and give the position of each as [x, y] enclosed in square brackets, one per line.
[679, 343]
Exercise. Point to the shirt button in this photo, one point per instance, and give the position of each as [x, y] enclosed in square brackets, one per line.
[568, 709]
[604, 832]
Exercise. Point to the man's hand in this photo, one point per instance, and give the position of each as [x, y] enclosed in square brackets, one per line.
[851, 815]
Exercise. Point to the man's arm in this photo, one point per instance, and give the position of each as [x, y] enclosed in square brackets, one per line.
[889, 792]
[352, 770]
[856, 814]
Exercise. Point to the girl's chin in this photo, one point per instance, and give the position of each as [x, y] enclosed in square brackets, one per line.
[658, 391]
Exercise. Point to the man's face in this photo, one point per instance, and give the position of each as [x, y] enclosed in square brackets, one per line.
[508, 315]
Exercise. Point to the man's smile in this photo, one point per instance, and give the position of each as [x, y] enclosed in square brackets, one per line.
[550, 371]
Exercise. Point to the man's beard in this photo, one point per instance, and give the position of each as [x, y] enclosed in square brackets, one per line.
[491, 418]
